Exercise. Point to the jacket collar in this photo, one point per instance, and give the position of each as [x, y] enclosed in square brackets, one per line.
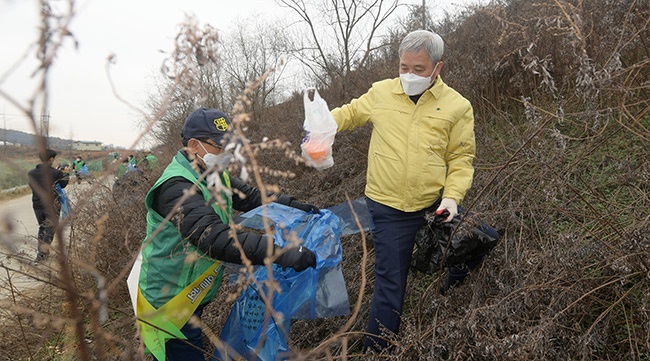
[184, 159]
[436, 89]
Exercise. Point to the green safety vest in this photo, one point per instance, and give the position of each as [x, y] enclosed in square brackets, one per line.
[169, 262]
[152, 161]
[77, 164]
[122, 169]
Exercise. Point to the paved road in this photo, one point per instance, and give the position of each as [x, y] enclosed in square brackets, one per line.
[20, 214]
[20, 276]
[18, 231]
[18, 243]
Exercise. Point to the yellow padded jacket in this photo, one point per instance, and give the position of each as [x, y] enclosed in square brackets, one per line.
[416, 150]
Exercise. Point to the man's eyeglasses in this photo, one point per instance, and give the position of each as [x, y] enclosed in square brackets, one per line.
[209, 142]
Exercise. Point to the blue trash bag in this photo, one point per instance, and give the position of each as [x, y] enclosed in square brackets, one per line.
[63, 198]
[83, 170]
[250, 330]
[349, 218]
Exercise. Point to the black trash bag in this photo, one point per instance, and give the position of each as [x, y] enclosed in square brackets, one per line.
[433, 249]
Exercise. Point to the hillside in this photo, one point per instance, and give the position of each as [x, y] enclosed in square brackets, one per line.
[17, 137]
[561, 96]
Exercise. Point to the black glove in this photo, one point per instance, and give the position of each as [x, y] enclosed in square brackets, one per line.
[297, 258]
[304, 206]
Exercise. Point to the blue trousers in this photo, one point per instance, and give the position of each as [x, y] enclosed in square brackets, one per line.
[46, 229]
[179, 350]
[393, 235]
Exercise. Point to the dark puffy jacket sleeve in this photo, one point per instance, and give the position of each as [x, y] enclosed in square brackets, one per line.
[62, 178]
[197, 221]
[250, 197]
[43, 178]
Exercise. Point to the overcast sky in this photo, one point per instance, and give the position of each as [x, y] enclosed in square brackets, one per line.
[138, 32]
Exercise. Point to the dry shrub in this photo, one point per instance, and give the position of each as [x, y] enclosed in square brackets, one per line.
[562, 172]
[34, 319]
[108, 229]
[560, 92]
[560, 96]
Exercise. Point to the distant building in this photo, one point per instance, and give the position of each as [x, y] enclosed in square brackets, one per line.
[86, 146]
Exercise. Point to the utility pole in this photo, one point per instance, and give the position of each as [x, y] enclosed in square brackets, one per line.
[424, 15]
[4, 120]
[45, 128]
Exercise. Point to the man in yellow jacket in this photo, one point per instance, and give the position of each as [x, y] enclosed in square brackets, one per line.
[420, 158]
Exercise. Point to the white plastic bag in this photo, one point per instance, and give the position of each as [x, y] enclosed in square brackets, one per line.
[133, 282]
[321, 130]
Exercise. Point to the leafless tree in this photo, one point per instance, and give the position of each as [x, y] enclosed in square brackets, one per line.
[342, 34]
[244, 56]
[186, 82]
[251, 50]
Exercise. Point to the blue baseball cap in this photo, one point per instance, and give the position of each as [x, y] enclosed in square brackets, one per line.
[206, 123]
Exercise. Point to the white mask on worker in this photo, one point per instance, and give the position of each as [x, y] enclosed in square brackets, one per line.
[208, 158]
[219, 161]
[414, 84]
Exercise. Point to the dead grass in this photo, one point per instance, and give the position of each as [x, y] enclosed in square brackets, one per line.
[560, 91]
[14, 193]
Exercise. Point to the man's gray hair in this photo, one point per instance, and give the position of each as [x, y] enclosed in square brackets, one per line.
[418, 39]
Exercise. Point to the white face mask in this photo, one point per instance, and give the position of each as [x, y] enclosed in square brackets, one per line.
[415, 84]
[208, 158]
[219, 160]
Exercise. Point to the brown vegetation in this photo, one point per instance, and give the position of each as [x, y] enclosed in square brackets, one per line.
[560, 91]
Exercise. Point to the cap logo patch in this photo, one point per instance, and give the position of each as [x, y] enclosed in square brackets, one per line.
[220, 124]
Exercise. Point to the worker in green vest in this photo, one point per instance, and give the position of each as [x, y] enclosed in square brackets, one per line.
[181, 268]
[80, 169]
[150, 160]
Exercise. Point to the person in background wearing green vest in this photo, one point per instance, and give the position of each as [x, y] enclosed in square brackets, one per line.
[123, 168]
[78, 167]
[150, 160]
[132, 161]
[198, 234]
